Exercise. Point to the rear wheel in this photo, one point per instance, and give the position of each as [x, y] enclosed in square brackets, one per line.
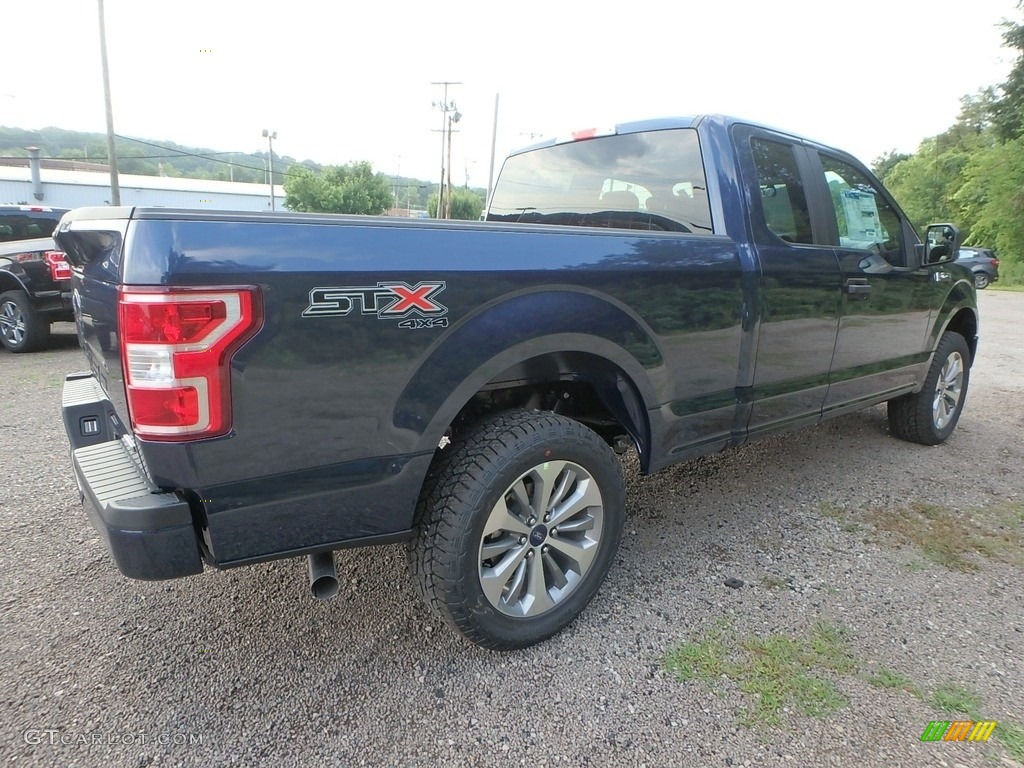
[517, 527]
[980, 280]
[22, 329]
[929, 416]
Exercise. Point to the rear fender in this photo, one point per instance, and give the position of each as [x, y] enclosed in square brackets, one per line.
[506, 335]
[12, 276]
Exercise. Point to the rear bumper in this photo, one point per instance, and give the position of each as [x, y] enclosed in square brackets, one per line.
[148, 532]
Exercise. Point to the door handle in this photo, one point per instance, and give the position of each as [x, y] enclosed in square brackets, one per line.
[858, 286]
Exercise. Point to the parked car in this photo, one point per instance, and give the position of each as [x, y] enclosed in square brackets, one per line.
[35, 279]
[982, 262]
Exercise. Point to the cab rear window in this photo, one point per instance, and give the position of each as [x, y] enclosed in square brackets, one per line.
[26, 226]
[652, 180]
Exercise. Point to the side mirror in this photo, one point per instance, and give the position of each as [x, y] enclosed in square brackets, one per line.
[942, 243]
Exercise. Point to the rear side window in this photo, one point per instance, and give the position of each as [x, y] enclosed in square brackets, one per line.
[653, 180]
[783, 199]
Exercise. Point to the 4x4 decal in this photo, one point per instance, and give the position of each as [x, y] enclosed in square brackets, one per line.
[386, 300]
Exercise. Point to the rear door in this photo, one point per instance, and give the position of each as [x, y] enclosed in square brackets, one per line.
[798, 316]
[886, 297]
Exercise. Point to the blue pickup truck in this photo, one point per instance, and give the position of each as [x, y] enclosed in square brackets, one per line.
[265, 386]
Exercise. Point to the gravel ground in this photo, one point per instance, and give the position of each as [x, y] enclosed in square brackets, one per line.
[242, 667]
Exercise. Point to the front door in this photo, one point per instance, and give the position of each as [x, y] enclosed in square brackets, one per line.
[886, 298]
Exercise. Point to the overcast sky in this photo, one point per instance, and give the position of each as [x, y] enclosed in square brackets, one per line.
[343, 81]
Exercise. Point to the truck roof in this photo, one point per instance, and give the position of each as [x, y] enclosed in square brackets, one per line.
[651, 124]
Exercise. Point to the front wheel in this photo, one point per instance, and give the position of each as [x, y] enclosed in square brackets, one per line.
[22, 329]
[928, 417]
[517, 527]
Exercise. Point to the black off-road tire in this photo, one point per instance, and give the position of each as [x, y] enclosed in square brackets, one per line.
[468, 478]
[22, 329]
[921, 417]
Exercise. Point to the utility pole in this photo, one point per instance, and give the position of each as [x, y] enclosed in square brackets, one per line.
[448, 178]
[270, 136]
[445, 106]
[115, 184]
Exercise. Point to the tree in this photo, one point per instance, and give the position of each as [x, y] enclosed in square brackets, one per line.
[1008, 111]
[350, 188]
[883, 164]
[992, 198]
[466, 204]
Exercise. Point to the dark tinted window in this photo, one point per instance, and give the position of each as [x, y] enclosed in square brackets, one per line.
[653, 180]
[26, 225]
[783, 199]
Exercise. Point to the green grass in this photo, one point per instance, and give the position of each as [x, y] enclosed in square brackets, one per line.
[1011, 736]
[956, 699]
[886, 678]
[701, 660]
[777, 672]
[956, 539]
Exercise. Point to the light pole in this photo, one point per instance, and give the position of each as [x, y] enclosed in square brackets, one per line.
[270, 136]
[115, 183]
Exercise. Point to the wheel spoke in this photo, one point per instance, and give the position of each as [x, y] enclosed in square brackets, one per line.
[545, 478]
[494, 580]
[554, 571]
[502, 519]
[536, 600]
[565, 482]
[578, 524]
[498, 547]
[513, 590]
[518, 491]
[586, 495]
[581, 553]
[952, 371]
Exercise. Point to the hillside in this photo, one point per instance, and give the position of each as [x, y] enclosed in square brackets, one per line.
[166, 158]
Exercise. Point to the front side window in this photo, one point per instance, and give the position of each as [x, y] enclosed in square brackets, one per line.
[652, 180]
[864, 217]
[783, 199]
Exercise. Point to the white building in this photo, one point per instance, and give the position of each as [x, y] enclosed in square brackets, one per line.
[75, 189]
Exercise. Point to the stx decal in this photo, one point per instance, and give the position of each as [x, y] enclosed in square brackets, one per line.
[385, 300]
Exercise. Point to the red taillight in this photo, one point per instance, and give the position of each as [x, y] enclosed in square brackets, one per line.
[59, 268]
[176, 348]
[994, 262]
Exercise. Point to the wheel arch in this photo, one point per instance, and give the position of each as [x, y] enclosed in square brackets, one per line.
[10, 281]
[959, 314]
[519, 347]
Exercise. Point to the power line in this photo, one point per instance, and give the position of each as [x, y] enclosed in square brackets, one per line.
[194, 154]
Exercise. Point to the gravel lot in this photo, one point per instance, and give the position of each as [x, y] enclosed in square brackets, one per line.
[242, 667]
